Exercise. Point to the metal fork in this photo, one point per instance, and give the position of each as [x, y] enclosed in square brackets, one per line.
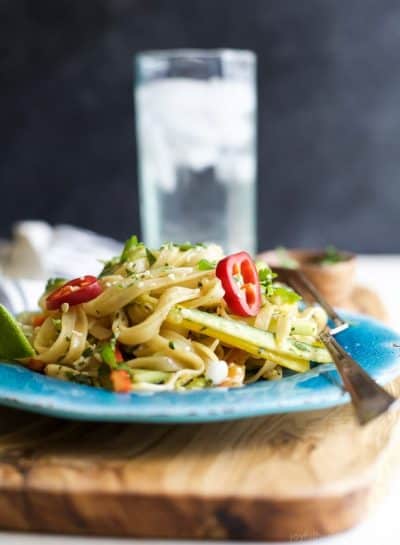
[369, 399]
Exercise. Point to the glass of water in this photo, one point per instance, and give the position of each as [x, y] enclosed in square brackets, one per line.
[196, 134]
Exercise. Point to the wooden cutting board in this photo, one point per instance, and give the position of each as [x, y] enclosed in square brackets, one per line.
[276, 477]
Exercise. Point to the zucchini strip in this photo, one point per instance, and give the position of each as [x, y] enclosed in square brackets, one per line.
[240, 335]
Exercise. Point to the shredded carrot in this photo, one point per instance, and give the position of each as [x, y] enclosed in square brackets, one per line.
[121, 381]
[38, 320]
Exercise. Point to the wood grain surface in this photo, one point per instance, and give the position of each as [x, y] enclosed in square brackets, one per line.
[276, 477]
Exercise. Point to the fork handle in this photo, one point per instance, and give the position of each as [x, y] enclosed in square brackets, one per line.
[300, 279]
[368, 397]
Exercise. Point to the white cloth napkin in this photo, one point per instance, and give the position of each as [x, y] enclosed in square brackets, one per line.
[38, 251]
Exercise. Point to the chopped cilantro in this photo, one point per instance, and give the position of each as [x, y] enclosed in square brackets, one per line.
[151, 258]
[205, 265]
[286, 294]
[130, 245]
[265, 277]
[171, 345]
[271, 289]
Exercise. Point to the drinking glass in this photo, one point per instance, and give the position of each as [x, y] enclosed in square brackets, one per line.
[196, 135]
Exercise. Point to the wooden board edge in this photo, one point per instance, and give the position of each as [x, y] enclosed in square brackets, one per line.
[178, 517]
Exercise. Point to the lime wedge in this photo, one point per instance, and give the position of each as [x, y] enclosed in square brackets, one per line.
[13, 343]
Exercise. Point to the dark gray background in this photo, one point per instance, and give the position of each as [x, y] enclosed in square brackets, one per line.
[329, 111]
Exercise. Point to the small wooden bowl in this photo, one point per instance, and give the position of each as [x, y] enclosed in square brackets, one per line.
[335, 281]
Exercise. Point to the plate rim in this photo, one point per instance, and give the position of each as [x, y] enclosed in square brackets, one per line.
[68, 406]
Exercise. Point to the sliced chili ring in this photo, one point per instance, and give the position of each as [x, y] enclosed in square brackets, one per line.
[239, 278]
[77, 291]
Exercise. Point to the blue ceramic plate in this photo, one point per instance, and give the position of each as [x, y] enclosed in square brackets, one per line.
[370, 343]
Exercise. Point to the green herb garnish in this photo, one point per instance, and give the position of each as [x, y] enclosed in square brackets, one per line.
[331, 256]
[205, 265]
[127, 254]
[131, 243]
[265, 277]
[286, 294]
[171, 345]
[151, 258]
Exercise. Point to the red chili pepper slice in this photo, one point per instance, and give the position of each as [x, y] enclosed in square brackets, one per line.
[119, 358]
[79, 290]
[239, 278]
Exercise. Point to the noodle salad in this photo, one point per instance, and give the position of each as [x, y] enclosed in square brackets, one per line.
[177, 318]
